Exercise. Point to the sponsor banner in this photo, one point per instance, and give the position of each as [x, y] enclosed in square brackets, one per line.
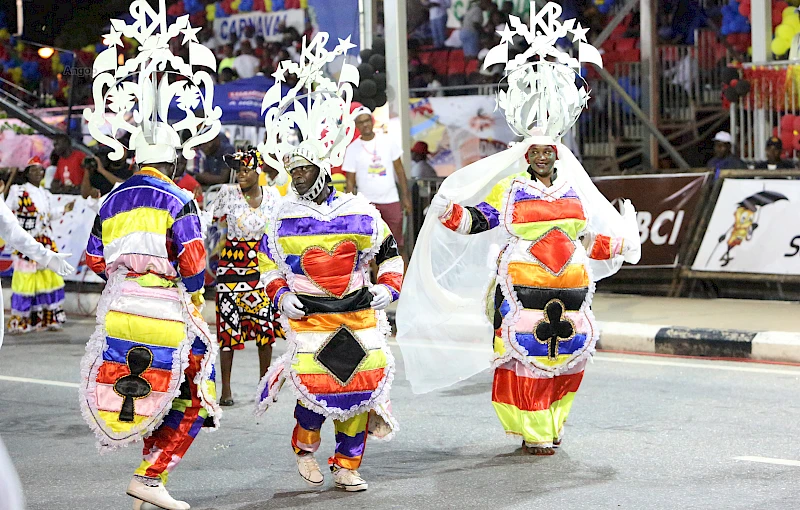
[755, 228]
[665, 205]
[266, 24]
[458, 130]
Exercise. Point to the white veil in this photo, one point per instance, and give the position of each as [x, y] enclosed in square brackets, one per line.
[443, 328]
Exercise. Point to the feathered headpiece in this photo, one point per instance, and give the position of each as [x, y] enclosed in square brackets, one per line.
[245, 156]
[543, 98]
[135, 96]
[316, 106]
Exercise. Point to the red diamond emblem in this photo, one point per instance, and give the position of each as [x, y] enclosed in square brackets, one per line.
[553, 250]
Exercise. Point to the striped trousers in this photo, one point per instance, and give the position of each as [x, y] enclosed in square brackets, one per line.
[165, 448]
[351, 436]
[534, 407]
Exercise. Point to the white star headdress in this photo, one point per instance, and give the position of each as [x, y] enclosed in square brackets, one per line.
[316, 106]
[543, 97]
[135, 97]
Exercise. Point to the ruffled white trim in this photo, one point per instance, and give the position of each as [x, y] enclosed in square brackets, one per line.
[508, 329]
[380, 396]
[92, 360]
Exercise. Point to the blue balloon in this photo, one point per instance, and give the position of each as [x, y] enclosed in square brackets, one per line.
[220, 11]
[246, 6]
[30, 71]
[277, 5]
[193, 6]
[67, 59]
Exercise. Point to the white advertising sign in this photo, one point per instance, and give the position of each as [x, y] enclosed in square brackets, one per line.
[755, 228]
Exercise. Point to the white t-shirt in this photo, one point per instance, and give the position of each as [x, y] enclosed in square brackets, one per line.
[373, 164]
[246, 66]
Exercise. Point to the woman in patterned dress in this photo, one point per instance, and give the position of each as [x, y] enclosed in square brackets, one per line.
[244, 311]
[38, 292]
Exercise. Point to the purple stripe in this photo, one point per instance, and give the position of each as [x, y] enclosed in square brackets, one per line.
[197, 425]
[522, 194]
[278, 295]
[94, 246]
[186, 229]
[20, 303]
[491, 214]
[127, 198]
[350, 446]
[307, 226]
[570, 194]
[308, 419]
[173, 419]
[344, 401]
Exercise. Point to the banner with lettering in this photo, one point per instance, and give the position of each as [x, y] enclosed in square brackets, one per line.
[266, 24]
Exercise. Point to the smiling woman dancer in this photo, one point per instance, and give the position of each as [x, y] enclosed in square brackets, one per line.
[244, 311]
[555, 234]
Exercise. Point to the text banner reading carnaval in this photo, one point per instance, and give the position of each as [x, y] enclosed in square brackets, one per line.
[755, 228]
[665, 207]
[266, 24]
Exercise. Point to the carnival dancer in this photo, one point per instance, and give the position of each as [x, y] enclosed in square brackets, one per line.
[148, 372]
[37, 292]
[244, 312]
[555, 234]
[19, 239]
[319, 247]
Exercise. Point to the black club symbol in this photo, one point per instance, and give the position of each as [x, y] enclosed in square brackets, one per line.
[553, 330]
[134, 386]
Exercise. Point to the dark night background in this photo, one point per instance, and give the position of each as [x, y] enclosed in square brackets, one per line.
[65, 23]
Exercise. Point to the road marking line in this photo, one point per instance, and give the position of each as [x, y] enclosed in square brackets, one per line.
[642, 359]
[707, 366]
[767, 460]
[39, 381]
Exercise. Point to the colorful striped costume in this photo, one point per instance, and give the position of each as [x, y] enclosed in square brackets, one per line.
[544, 327]
[38, 293]
[338, 362]
[148, 371]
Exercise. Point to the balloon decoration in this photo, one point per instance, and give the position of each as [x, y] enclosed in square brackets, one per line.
[604, 6]
[786, 30]
[733, 86]
[790, 132]
[371, 90]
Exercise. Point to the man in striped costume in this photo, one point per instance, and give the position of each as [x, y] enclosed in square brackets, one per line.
[316, 266]
[149, 367]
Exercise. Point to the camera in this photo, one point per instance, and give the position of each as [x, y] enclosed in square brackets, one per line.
[89, 163]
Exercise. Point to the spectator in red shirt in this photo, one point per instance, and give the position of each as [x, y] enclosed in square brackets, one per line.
[69, 168]
[187, 182]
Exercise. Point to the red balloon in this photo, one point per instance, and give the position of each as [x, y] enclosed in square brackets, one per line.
[787, 124]
[744, 10]
[796, 123]
[796, 143]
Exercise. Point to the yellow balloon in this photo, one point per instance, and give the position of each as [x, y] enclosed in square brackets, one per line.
[780, 46]
[4, 34]
[211, 12]
[784, 31]
[790, 16]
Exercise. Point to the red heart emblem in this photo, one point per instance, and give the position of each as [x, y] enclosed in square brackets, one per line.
[331, 270]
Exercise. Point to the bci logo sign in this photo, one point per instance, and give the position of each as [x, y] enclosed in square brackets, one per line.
[664, 229]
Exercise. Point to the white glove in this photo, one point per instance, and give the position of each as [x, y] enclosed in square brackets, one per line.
[382, 297]
[58, 264]
[439, 204]
[632, 250]
[291, 306]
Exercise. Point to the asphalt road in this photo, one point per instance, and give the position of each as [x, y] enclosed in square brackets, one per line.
[644, 433]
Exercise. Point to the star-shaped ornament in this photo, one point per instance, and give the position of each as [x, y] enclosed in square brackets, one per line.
[279, 74]
[113, 38]
[190, 34]
[345, 45]
[506, 35]
[579, 33]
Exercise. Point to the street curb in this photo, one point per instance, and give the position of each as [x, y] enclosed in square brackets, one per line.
[633, 337]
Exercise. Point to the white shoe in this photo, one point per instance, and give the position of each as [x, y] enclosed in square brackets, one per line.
[138, 504]
[309, 469]
[349, 480]
[157, 496]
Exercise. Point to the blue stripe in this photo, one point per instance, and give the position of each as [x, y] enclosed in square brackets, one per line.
[504, 308]
[118, 350]
[194, 283]
[293, 261]
[528, 342]
[143, 191]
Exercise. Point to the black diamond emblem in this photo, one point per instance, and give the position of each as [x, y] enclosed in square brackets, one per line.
[341, 355]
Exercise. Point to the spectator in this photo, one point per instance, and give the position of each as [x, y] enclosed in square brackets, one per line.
[69, 168]
[185, 181]
[421, 168]
[246, 64]
[261, 47]
[723, 155]
[101, 174]
[208, 166]
[426, 79]
[372, 165]
[227, 75]
[507, 10]
[437, 14]
[227, 58]
[774, 160]
[472, 26]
